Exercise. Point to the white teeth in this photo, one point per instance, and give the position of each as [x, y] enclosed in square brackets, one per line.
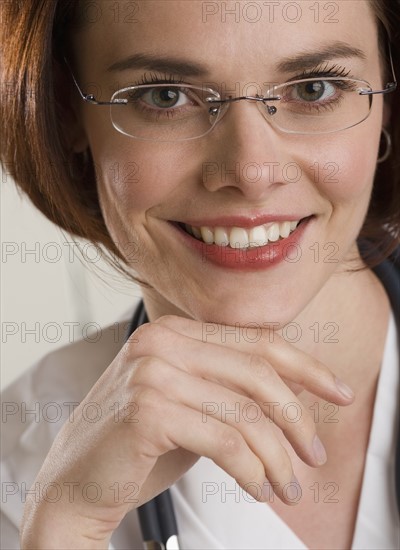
[273, 232]
[221, 236]
[258, 236]
[284, 229]
[239, 237]
[207, 235]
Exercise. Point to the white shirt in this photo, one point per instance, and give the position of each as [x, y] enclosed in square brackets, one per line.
[208, 516]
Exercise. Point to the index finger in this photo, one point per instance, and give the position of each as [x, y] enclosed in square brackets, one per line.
[288, 361]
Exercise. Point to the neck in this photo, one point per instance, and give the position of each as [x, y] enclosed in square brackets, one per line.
[344, 326]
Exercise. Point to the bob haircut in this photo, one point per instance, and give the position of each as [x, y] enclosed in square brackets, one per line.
[62, 184]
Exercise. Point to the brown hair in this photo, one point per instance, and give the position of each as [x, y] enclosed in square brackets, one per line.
[62, 184]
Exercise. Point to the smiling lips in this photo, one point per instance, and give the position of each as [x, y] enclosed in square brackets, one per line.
[240, 237]
[245, 243]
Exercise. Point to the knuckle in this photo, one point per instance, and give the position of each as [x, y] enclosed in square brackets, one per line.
[145, 338]
[154, 372]
[145, 396]
[229, 443]
[144, 369]
[167, 320]
[260, 368]
[147, 332]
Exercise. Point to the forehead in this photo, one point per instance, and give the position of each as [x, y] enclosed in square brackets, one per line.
[228, 34]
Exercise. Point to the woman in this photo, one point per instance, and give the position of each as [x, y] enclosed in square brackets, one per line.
[255, 224]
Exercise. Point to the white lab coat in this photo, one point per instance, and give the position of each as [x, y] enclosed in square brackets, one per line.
[205, 520]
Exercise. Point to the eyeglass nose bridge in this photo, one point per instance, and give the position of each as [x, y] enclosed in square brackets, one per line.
[214, 111]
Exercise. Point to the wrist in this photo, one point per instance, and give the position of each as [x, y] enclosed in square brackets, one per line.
[56, 527]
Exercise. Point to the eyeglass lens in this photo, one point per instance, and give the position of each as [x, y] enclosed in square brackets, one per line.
[177, 112]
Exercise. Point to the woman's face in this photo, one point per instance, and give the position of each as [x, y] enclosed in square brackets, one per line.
[244, 167]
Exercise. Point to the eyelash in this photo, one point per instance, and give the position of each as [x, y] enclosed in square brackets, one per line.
[318, 71]
[325, 70]
[155, 78]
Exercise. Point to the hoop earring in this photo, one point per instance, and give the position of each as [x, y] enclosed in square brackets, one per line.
[388, 146]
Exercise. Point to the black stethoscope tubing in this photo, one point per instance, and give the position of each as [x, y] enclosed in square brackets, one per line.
[156, 517]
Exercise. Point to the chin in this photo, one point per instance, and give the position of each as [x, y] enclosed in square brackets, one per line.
[248, 310]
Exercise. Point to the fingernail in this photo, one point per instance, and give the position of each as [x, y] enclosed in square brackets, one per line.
[319, 451]
[293, 491]
[344, 389]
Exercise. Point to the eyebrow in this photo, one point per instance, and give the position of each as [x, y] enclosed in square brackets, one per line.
[159, 63]
[303, 60]
[308, 60]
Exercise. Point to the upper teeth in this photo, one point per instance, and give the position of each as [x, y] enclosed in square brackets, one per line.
[239, 237]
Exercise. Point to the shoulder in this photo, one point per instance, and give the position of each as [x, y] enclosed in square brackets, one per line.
[38, 403]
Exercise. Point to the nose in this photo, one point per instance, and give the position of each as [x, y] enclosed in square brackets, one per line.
[245, 154]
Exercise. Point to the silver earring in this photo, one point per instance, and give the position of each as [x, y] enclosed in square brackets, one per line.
[388, 146]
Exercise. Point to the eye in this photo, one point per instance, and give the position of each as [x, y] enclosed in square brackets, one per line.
[314, 90]
[161, 97]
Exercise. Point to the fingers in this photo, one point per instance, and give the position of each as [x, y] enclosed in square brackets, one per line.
[248, 451]
[288, 361]
[211, 386]
[190, 371]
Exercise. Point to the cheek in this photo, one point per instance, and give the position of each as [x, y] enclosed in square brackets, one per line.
[131, 177]
[345, 175]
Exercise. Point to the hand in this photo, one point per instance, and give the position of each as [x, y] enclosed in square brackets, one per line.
[155, 425]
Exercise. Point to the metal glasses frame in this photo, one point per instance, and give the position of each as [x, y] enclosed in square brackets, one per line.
[90, 98]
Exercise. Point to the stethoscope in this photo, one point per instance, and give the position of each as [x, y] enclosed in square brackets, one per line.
[156, 517]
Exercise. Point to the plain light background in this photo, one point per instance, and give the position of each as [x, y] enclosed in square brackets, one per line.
[45, 287]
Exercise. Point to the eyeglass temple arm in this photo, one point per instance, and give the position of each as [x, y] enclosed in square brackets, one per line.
[390, 86]
[90, 97]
